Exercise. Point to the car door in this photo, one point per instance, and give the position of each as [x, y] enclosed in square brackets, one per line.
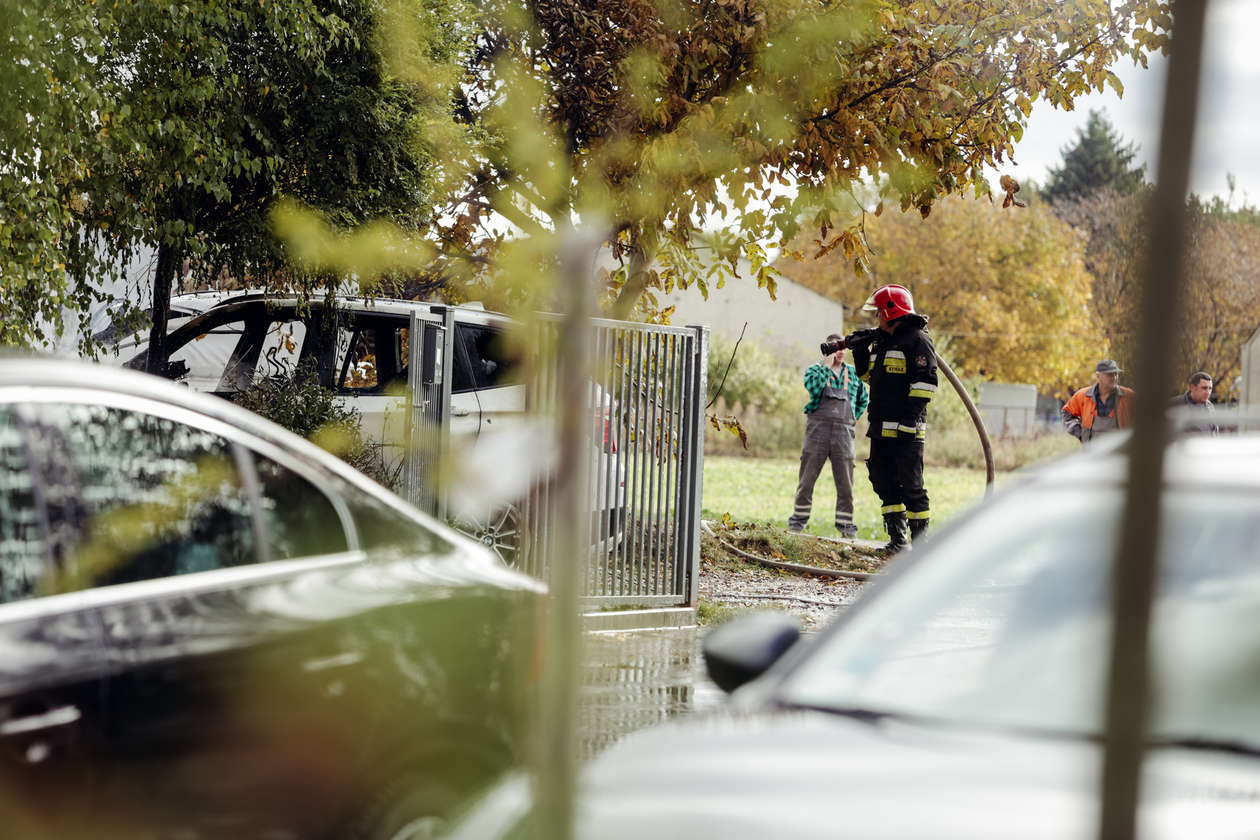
[184, 533]
[487, 393]
[52, 662]
[372, 377]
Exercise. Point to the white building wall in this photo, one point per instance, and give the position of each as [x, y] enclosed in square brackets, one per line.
[792, 326]
[1009, 410]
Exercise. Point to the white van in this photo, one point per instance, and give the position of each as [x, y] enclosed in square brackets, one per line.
[360, 350]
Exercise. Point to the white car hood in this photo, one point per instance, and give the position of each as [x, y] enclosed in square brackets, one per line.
[810, 774]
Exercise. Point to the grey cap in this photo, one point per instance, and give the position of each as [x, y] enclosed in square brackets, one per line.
[1107, 366]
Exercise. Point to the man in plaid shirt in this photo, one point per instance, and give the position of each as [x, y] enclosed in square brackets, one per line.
[837, 398]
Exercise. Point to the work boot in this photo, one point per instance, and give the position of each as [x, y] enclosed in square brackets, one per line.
[895, 525]
[917, 528]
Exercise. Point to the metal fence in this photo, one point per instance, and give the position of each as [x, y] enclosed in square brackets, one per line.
[643, 480]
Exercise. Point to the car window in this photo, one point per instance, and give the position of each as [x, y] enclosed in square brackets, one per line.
[22, 559]
[206, 356]
[381, 526]
[1007, 621]
[374, 360]
[138, 496]
[299, 519]
[281, 349]
[488, 364]
[359, 369]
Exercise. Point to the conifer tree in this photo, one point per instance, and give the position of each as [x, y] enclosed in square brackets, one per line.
[1097, 160]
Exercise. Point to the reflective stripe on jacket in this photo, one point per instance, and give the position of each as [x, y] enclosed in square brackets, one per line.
[901, 369]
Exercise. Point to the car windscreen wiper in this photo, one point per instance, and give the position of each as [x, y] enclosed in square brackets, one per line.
[856, 712]
[1198, 742]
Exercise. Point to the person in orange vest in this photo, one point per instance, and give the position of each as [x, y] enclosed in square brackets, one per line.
[1104, 406]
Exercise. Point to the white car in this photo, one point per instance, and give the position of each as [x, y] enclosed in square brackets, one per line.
[360, 350]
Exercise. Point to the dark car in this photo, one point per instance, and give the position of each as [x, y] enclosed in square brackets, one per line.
[210, 627]
[964, 696]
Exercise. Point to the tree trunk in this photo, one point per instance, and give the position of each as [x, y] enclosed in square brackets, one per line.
[636, 278]
[167, 260]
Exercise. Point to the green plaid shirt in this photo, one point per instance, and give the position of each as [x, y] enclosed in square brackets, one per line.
[819, 376]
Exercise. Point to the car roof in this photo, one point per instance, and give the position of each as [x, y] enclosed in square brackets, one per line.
[356, 302]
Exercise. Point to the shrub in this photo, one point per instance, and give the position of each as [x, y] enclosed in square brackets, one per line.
[296, 401]
[756, 379]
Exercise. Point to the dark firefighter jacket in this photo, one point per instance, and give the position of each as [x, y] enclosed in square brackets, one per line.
[901, 369]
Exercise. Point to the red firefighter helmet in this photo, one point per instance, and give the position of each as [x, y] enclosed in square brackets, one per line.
[893, 300]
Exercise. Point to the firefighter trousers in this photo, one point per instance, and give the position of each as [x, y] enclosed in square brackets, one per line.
[896, 470]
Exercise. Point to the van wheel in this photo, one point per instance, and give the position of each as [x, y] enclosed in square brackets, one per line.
[502, 533]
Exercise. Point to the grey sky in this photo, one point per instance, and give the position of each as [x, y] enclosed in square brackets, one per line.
[1229, 119]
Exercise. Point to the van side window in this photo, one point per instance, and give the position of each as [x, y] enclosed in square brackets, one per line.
[482, 349]
[205, 357]
[281, 349]
[374, 359]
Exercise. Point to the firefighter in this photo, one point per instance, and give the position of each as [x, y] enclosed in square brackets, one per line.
[899, 362]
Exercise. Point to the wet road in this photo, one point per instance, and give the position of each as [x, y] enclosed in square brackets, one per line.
[634, 680]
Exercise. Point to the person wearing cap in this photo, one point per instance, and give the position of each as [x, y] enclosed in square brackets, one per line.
[899, 362]
[1197, 402]
[1104, 406]
[837, 398]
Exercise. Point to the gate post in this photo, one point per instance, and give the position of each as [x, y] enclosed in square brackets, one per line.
[688, 582]
[429, 397]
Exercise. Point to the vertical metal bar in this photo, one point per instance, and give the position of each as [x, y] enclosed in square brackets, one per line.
[626, 455]
[660, 454]
[607, 461]
[671, 471]
[640, 458]
[687, 358]
[1134, 565]
[645, 499]
[415, 402]
[594, 574]
[662, 459]
[632, 462]
[645, 450]
[618, 562]
[688, 580]
[444, 405]
[649, 441]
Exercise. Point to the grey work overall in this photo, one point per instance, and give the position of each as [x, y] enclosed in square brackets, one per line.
[829, 434]
[1106, 419]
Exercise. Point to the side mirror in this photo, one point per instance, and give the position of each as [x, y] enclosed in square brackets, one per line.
[744, 649]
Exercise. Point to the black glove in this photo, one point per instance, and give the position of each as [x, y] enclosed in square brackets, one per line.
[860, 338]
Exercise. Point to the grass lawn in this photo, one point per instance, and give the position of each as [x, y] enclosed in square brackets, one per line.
[761, 490]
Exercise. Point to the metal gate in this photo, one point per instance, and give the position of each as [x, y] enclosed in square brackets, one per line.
[429, 399]
[646, 445]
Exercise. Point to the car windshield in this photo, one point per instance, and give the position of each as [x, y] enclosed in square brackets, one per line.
[1005, 622]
